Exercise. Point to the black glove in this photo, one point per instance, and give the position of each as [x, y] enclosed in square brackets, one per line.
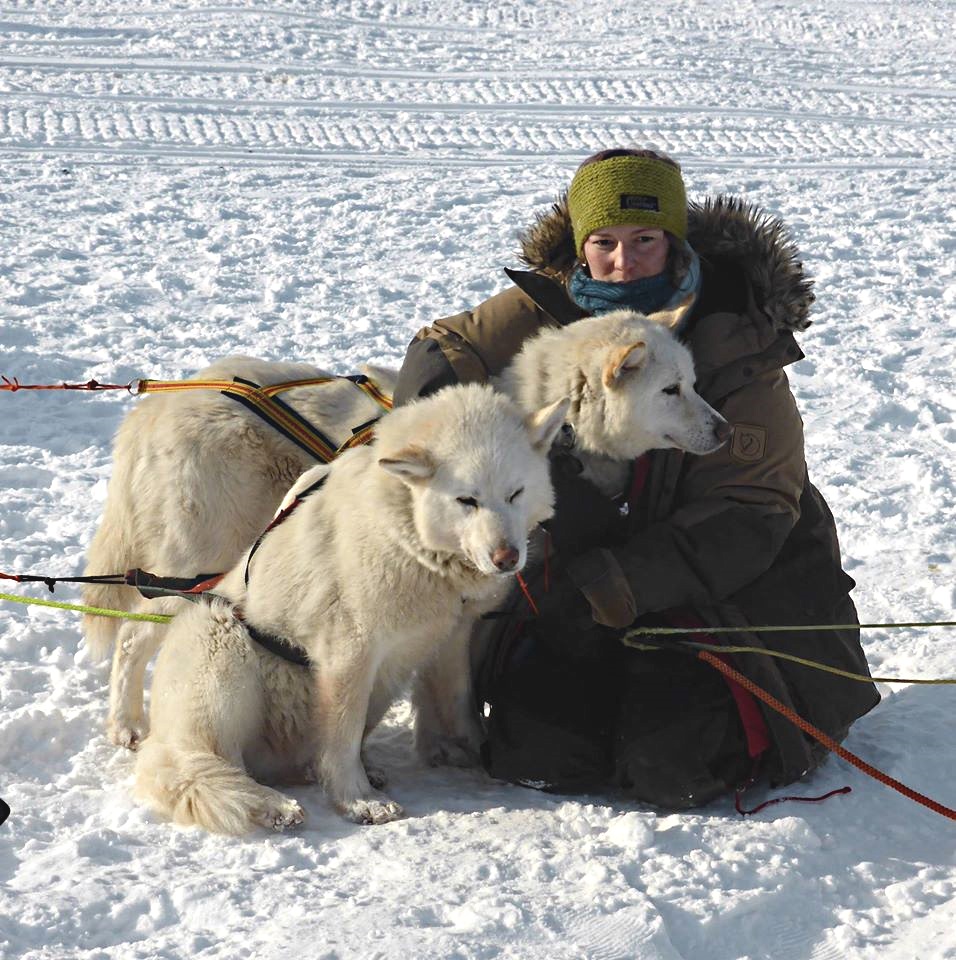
[583, 516]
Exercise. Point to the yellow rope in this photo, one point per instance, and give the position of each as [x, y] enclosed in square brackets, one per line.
[824, 667]
[778, 628]
[93, 611]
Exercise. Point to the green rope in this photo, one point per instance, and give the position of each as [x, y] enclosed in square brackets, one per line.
[863, 678]
[93, 611]
[774, 628]
[627, 639]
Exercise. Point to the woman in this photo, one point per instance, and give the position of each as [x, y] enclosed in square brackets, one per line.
[736, 538]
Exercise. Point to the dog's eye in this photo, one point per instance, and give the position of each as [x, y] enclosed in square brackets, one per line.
[673, 391]
[469, 502]
[516, 494]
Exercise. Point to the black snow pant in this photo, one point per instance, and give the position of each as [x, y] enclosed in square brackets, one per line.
[661, 727]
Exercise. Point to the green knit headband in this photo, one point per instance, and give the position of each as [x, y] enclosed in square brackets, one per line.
[627, 191]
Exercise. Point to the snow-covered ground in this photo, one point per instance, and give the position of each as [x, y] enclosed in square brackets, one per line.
[181, 179]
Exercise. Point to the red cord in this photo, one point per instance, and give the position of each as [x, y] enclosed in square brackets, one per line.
[823, 738]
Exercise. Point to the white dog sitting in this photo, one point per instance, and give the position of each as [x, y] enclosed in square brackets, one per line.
[367, 576]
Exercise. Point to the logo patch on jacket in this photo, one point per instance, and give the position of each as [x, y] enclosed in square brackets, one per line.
[749, 443]
[640, 201]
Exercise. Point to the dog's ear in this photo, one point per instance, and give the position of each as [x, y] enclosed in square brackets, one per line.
[410, 464]
[621, 360]
[673, 318]
[544, 424]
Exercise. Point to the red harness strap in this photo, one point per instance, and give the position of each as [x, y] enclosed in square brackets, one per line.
[755, 727]
[639, 472]
[281, 516]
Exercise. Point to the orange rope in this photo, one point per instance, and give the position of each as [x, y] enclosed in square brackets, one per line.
[14, 385]
[820, 736]
[159, 386]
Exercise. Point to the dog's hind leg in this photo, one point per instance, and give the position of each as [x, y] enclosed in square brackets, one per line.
[207, 711]
[197, 787]
[136, 643]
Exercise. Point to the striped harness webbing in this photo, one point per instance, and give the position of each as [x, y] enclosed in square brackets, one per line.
[265, 403]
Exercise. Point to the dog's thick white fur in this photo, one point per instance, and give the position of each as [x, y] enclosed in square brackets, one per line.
[631, 386]
[368, 575]
[196, 478]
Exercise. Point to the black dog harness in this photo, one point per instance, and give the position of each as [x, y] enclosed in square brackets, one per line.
[200, 588]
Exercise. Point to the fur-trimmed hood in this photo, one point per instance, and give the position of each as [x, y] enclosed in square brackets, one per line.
[721, 227]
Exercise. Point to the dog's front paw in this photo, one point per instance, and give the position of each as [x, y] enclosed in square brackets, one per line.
[127, 733]
[373, 810]
[284, 813]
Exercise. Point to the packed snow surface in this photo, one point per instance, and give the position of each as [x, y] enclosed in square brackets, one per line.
[316, 180]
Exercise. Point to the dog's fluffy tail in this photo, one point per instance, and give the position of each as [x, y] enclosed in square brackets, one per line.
[199, 788]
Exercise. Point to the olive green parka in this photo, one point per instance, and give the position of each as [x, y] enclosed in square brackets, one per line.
[739, 537]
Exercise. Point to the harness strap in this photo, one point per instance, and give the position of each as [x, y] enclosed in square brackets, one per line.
[279, 517]
[364, 383]
[264, 403]
[274, 644]
[281, 417]
[369, 386]
[197, 589]
[150, 585]
[639, 471]
[756, 731]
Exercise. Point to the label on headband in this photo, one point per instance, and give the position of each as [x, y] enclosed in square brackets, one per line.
[639, 201]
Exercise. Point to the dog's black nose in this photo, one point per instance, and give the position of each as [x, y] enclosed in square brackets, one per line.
[724, 431]
[505, 558]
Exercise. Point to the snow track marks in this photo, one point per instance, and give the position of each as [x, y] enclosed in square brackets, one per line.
[364, 81]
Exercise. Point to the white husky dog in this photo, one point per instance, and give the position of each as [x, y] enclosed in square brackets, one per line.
[197, 477]
[367, 576]
[631, 386]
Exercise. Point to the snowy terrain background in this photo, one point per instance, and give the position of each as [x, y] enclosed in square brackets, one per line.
[182, 179]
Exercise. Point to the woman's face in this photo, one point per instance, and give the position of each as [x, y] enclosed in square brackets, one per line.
[622, 254]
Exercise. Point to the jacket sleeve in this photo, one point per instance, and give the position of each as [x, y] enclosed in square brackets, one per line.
[468, 347]
[734, 510]
[425, 370]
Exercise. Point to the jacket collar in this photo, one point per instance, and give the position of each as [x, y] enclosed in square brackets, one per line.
[549, 294]
[729, 347]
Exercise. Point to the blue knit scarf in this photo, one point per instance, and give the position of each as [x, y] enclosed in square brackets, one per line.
[646, 294]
